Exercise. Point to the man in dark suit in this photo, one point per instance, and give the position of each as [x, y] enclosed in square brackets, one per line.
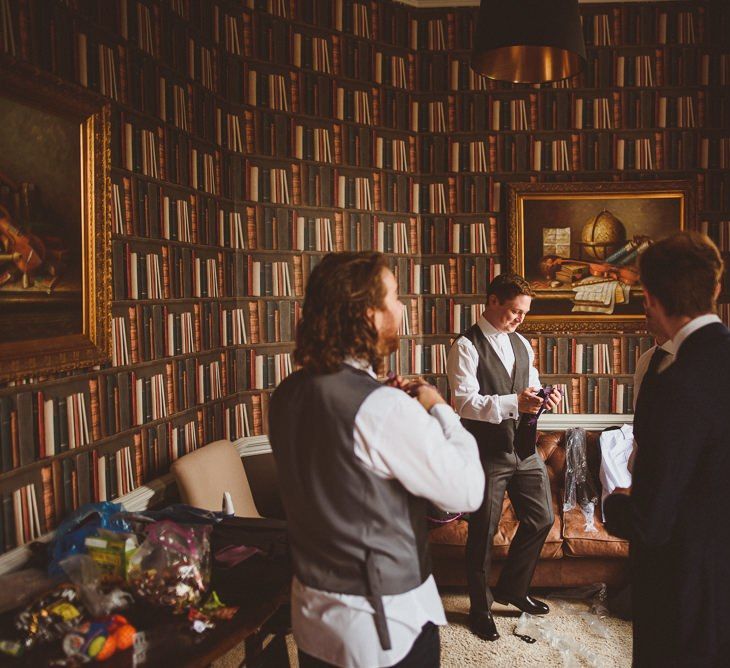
[676, 514]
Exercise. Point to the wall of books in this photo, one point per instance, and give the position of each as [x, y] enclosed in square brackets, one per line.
[252, 137]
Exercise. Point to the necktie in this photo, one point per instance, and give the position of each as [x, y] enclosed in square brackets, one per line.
[656, 359]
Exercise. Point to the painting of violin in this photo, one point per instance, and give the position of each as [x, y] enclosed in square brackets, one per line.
[26, 251]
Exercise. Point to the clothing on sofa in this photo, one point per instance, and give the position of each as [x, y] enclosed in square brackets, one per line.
[395, 441]
[616, 447]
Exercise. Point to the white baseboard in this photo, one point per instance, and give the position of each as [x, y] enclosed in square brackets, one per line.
[138, 500]
[552, 422]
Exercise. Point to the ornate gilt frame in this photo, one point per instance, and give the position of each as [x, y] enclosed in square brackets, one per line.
[519, 193]
[23, 359]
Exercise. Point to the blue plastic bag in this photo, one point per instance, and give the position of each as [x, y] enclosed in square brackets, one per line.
[86, 521]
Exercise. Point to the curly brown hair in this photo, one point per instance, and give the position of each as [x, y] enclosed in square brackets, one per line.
[335, 323]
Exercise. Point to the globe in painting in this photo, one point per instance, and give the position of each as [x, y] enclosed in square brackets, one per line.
[602, 235]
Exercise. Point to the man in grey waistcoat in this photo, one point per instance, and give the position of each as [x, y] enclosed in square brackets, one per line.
[358, 460]
[494, 385]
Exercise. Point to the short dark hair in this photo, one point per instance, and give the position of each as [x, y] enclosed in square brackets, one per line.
[682, 272]
[335, 323]
[508, 286]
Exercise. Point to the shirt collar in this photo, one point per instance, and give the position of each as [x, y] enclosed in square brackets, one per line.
[488, 329]
[362, 365]
[669, 346]
[691, 327]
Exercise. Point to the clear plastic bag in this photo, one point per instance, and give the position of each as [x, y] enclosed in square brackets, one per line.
[172, 566]
[579, 488]
[572, 652]
[595, 595]
[84, 572]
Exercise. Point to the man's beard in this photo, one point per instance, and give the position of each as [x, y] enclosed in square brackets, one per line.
[388, 341]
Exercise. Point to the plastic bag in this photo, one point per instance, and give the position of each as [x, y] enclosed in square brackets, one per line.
[579, 488]
[86, 521]
[572, 652]
[172, 566]
[596, 595]
[84, 572]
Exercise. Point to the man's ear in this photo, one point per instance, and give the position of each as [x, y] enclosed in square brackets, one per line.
[492, 300]
[718, 290]
[653, 303]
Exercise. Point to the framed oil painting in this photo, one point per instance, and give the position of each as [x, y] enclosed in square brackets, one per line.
[578, 246]
[55, 233]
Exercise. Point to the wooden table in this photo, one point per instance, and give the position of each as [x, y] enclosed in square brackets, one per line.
[164, 639]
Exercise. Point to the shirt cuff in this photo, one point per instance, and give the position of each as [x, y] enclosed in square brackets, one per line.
[508, 407]
[445, 415]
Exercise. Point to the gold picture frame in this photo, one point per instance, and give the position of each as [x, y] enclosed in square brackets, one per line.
[55, 225]
[577, 244]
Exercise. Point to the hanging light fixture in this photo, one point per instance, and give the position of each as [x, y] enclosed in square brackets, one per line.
[528, 41]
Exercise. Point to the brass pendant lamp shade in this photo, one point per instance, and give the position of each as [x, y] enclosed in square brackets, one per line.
[528, 41]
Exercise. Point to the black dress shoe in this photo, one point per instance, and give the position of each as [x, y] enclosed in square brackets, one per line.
[482, 625]
[525, 603]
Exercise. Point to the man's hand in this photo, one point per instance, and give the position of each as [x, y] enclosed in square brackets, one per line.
[625, 491]
[554, 398]
[425, 393]
[528, 401]
[396, 381]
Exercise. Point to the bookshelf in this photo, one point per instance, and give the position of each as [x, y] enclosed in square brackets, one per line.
[249, 138]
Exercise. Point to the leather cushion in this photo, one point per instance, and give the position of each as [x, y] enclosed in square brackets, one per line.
[581, 543]
[454, 533]
[568, 529]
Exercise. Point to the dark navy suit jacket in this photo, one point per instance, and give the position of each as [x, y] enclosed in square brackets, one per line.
[678, 515]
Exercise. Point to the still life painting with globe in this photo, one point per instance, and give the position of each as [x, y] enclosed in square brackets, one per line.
[578, 244]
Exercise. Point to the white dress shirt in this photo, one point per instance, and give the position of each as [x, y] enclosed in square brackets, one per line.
[616, 448]
[691, 327]
[433, 457]
[461, 368]
[642, 365]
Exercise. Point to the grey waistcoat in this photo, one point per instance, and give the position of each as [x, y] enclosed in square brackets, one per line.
[350, 531]
[493, 379]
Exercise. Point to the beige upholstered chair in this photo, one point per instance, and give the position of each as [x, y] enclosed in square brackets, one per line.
[203, 476]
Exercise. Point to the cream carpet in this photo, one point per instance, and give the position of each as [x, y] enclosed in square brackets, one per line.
[461, 649]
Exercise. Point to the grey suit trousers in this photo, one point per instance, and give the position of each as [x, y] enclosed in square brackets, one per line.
[526, 482]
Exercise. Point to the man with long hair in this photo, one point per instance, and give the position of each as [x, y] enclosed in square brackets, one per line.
[358, 460]
[675, 514]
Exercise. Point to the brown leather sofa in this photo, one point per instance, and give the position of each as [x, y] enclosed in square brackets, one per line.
[571, 556]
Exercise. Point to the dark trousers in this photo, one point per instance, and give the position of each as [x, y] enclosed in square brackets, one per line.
[425, 653]
[526, 482]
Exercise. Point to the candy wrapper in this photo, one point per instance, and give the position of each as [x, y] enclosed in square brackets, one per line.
[172, 566]
[50, 617]
[99, 639]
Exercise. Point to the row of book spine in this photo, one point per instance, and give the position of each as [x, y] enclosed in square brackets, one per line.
[564, 355]
[35, 425]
